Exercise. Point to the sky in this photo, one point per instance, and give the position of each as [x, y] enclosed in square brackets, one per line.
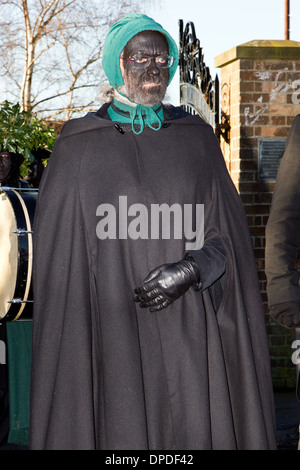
[223, 24]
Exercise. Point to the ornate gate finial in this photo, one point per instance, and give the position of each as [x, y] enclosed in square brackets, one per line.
[199, 93]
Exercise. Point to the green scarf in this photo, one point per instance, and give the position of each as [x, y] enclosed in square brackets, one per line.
[138, 115]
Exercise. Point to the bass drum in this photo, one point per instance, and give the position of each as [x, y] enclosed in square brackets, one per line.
[17, 207]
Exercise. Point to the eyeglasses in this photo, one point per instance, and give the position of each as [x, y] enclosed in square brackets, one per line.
[164, 62]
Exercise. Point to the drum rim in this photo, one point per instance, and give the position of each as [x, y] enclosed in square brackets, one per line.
[29, 259]
[21, 292]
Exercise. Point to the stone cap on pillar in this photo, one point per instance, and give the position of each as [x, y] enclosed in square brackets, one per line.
[264, 49]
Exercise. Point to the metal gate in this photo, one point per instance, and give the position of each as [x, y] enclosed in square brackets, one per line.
[199, 93]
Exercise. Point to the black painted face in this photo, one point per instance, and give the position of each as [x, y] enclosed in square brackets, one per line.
[5, 165]
[145, 85]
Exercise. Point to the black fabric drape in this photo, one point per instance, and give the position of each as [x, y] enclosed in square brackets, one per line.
[107, 374]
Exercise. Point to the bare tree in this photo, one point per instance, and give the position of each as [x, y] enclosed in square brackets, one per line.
[51, 50]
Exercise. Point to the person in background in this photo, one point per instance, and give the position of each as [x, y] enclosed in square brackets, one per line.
[283, 241]
[283, 236]
[10, 170]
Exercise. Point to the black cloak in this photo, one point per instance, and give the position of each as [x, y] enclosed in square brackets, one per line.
[107, 374]
[283, 227]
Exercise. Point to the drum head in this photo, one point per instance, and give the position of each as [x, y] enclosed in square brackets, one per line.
[8, 254]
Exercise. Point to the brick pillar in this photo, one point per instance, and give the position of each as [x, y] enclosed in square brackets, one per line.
[260, 95]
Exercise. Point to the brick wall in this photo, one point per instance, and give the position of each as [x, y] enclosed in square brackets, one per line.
[259, 95]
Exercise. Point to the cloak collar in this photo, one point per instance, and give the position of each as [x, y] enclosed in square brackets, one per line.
[137, 115]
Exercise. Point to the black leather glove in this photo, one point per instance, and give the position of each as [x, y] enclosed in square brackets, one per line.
[167, 283]
[286, 314]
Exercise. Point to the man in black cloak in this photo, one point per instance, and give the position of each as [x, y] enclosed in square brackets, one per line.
[283, 236]
[283, 242]
[148, 329]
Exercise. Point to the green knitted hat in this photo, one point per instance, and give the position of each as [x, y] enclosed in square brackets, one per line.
[120, 34]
